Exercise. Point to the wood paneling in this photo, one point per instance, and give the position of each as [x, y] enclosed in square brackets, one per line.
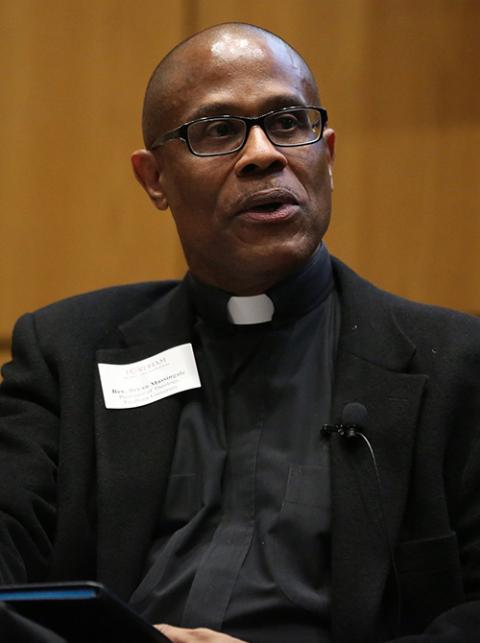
[72, 216]
[415, 171]
[400, 80]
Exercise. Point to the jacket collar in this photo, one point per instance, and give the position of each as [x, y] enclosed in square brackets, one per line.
[369, 328]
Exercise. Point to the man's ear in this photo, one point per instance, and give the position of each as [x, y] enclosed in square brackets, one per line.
[329, 138]
[147, 173]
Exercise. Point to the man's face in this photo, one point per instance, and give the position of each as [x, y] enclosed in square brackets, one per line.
[247, 219]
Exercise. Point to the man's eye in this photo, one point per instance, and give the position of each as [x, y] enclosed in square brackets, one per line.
[285, 122]
[220, 129]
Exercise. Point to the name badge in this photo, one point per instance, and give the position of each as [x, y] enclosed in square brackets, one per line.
[127, 386]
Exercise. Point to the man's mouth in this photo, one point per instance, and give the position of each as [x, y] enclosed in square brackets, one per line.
[269, 205]
[266, 207]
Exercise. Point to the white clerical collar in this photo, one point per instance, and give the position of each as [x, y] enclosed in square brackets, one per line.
[257, 309]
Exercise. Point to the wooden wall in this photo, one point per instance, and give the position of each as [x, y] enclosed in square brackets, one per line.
[400, 79]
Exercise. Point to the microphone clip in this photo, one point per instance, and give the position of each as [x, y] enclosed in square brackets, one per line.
[344, 431]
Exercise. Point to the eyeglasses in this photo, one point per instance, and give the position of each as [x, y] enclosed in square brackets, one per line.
[219, 135]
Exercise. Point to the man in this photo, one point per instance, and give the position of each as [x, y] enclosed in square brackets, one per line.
[319, 478]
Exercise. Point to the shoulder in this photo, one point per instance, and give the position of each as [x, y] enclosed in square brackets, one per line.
[420, 322]
[116, 300]
[91, 316]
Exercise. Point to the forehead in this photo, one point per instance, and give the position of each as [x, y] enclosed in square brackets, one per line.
[237, 73]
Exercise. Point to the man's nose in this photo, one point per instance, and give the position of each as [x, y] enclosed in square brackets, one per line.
[259, 154]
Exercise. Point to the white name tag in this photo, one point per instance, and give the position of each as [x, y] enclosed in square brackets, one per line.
[126, 386]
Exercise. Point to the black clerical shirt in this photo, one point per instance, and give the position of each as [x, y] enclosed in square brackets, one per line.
[243, 540]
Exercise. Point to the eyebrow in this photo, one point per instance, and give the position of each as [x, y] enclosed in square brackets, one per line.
[220, 108]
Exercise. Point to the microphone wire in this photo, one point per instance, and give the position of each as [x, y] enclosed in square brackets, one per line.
[385, 529]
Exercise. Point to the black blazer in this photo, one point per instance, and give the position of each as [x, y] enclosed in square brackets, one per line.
[82, 485]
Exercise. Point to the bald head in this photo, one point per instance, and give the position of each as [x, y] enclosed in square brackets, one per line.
[220, 45]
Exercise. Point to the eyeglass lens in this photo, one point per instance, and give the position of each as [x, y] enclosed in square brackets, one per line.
[284, 128]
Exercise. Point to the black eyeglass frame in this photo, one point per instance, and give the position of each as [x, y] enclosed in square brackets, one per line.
[182, 131]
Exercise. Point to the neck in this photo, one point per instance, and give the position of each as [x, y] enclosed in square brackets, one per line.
[245, 283]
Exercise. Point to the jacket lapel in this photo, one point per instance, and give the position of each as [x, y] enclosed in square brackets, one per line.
[135, 446]
[373, 358]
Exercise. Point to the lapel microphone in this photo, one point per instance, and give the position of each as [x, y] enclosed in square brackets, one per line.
[352, 425]
[352, 422]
